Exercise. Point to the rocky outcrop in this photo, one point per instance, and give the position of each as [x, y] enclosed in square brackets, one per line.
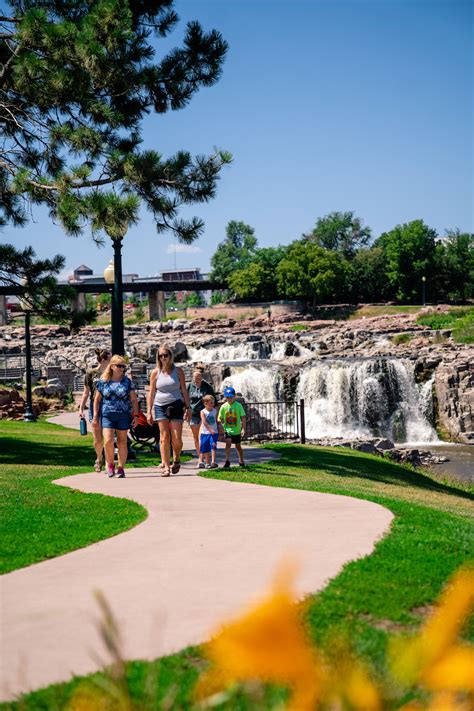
[287, 340]
[454, 382]
[12, 405]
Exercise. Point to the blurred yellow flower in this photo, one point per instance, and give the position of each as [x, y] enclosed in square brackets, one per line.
[269, 644]
[348, 685]
[434, 658]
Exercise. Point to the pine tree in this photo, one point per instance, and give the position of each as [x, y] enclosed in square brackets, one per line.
[41, 292]
[77, 77]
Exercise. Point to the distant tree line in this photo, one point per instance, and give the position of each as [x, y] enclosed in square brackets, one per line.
[339, 261]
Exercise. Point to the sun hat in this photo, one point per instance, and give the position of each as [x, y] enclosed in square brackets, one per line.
[229, 392]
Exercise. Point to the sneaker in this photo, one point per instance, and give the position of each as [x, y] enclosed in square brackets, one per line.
[213, 465]
[241, 464]
[201, 465]
[110, 470]
[120, 473]
[226, 465]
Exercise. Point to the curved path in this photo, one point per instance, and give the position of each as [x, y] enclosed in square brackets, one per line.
[207, 548]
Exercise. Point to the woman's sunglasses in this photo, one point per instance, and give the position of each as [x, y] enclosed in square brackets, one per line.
[119, 365]
[164, 355]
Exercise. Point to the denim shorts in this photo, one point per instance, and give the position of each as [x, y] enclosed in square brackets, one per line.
[117, 421]
[174, 412]
[207, 442]
[195, 420]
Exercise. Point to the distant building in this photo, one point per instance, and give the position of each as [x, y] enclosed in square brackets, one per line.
[82, 272]
[181, 275]
[86, 276]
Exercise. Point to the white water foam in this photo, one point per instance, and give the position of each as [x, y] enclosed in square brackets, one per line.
[224, 353]
[364, 399]
[255, 384]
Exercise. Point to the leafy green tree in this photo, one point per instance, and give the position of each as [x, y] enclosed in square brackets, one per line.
[311, 272]
[251, 283]
[257, 281]
[44, 296]
[235, 252]
[78, 78]
[220, 297]
[410, 255]
[340, 232]
[104, 300]
[172, 301]
[193, 299]
[368, 278]
[459, 264]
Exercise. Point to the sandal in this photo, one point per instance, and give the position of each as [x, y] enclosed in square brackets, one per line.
[176, 466]
[98, 465]
[166, 472]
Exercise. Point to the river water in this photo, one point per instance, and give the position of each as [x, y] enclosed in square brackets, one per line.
[461, 461]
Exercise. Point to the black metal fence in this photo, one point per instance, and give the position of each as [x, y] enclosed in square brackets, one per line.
[275, 420]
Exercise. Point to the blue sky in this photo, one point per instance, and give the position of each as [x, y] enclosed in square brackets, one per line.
[363, 105]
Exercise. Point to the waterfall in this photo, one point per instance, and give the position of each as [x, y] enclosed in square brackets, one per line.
[227, 352]
[278, 350]
[255, 384]
[366, 399]
[247, 350]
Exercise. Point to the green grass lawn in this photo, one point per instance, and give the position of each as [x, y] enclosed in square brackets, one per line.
[383, 309]
[372, 599]
[460, 320]
[39, 520]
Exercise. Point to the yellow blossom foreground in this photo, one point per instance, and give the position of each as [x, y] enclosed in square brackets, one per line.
[269, 645]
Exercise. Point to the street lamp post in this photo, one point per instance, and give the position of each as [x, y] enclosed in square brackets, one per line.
[29, 415]
[423, 282]
[113, 275]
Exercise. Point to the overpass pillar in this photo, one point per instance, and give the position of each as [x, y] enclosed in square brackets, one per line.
[156, 305]
[3, 310]
[78, 303]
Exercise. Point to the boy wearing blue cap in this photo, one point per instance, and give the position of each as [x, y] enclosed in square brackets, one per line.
[233, 420]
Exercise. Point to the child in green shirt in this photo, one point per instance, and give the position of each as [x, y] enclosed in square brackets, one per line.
[233, 420]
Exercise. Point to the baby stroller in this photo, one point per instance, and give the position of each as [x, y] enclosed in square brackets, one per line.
[144, 434]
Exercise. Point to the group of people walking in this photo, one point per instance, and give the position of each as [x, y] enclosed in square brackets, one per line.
[114, 409]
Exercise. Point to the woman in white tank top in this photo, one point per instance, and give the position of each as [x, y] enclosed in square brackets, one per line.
[168, 405]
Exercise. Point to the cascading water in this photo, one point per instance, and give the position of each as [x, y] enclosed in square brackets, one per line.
[255, 384]
[247, 350]
[226, 352]
[364, 399]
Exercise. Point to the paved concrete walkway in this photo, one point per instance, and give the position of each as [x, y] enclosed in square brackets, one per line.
[206, 549]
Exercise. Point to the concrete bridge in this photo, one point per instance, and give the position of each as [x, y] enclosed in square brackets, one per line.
[153, 287]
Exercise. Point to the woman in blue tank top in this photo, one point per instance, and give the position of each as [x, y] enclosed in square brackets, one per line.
[168, 404]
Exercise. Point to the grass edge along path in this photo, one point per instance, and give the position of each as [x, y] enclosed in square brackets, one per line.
[373, 598]
[40, 520]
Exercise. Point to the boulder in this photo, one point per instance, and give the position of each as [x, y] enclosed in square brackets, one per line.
[5, 397]
[53, 391]
[366, 447]
[39, 391]
[382, 444]
[411, 456]
[180, 352]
